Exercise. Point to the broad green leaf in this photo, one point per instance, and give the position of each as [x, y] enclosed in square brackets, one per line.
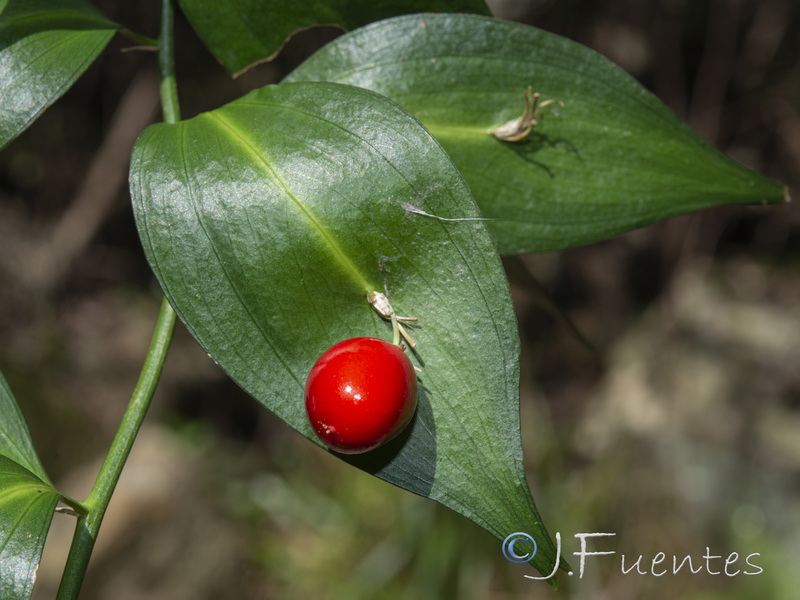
[242, 33]
[15, 439]
[613, 158]
[27, 502]
[26, 510]
[267, 223]
[45, 45]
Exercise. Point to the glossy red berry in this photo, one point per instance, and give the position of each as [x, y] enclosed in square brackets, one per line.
[360, 394]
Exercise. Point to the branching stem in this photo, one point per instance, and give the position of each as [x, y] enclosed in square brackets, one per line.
[88, 523]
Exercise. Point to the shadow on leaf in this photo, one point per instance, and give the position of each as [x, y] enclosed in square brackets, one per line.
[410, 457]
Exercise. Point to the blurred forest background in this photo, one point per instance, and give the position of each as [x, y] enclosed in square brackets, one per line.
[679, 431]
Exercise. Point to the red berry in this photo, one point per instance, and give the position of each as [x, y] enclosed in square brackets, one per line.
[360, 394]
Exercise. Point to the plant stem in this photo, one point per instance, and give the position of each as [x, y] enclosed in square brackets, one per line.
[88, 525]
[138, 38]
[73, 504]
[97, 502]
[166, 66]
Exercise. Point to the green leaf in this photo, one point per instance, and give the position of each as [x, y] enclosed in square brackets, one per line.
[242, 33]
[45, 45]
[26, 510]
[267, 223]
[15, 439]
[27, 502]
[613, 158]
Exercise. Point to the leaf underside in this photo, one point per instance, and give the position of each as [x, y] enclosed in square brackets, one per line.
[242, 33]
[611, 159]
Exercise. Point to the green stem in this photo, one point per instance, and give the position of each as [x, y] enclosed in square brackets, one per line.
[166, 66]
[78, 507]
[95, 505]
[138, 38]
[97, 502]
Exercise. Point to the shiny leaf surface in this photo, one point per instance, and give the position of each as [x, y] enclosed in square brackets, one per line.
[267, 223]
[611, 159]
[45, 45]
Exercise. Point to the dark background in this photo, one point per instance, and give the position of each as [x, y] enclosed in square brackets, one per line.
[678, 431]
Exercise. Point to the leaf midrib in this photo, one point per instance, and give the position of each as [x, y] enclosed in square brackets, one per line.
[244, 142]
